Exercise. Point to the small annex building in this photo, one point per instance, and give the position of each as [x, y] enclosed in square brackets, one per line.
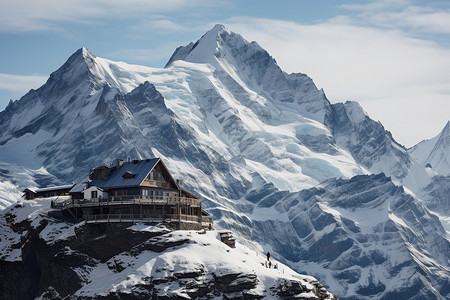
[51, 191]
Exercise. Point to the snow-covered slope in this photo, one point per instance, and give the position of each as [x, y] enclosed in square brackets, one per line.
[238, 130]
[435, 152]
[53, 259]
[14, 179]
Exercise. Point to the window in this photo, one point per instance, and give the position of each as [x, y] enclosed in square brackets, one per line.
[93, 194]
[128, 175]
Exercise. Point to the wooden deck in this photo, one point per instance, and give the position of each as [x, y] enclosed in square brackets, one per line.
[127, 200]
[69, 204]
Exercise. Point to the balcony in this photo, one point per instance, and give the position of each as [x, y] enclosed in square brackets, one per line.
[127, 200]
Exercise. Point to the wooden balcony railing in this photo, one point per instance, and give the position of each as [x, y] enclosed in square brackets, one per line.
[130, 199]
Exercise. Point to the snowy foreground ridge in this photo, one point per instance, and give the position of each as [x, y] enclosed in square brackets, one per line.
[322, 186]
[119, 261]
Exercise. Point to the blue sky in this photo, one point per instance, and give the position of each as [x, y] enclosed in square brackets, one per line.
[393, 57]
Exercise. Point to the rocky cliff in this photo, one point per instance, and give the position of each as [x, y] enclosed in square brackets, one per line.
[51, 259]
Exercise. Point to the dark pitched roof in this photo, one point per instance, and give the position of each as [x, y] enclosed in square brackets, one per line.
[50, 188]
[141, 168]
[78, 188]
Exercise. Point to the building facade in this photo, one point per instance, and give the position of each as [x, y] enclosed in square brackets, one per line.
[135, 191]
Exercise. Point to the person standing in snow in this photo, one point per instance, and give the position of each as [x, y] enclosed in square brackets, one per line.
[268, 255]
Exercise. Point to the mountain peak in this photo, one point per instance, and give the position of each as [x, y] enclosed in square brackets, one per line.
[86, 53]
[208, 48]
[79, 66]
[355, 112]
[82, 54]
[218, 28]
[446, 129]
[435, 151]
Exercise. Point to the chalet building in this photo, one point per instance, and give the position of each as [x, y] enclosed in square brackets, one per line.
[134, 191]
[62, 190]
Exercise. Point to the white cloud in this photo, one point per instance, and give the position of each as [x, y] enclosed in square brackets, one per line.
[143, 56]
[380, 5]
[419, 19]
[20, 83]
[44, 15]
[433, 18]
[400, 80]
[159, 23]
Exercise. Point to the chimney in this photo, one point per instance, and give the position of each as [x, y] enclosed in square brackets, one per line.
[119, 163]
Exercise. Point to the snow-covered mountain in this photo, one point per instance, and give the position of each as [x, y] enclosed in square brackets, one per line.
[236, 98]
[435, 152]
[254, 142]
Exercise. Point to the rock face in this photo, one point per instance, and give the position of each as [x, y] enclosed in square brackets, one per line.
[44, 257]
[364, 235]
[435, 197]
[370, 144]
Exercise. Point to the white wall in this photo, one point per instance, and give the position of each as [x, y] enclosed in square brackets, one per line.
[100, 193]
